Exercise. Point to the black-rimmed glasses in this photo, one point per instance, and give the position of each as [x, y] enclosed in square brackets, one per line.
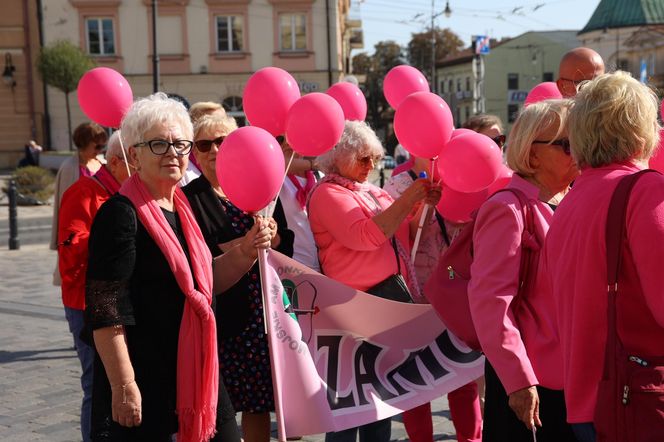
[563, 143]
[161, 147]
[499, 140]
[206, 145]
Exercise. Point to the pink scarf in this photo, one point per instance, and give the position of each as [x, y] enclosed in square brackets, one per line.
[198, 366]
[107, 180]
[303, 192]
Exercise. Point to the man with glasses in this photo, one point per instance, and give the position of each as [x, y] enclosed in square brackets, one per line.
[576, 66]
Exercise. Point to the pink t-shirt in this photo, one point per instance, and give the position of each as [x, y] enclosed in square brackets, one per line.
[351, 247]
[574, 261]
[521, 343]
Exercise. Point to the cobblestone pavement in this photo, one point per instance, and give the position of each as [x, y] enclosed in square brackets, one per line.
[39, 372]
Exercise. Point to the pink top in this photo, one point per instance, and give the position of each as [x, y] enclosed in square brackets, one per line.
[351, 247]
[574, 260]
[519, 340]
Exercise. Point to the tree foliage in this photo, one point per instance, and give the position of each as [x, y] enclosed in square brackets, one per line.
[419, 48]
[62, 65]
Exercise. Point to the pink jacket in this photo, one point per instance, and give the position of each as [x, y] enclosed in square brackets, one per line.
[574, 259]
[520, 342]
[351, 247]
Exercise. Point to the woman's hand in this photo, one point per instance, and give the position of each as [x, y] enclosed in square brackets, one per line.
[417, 191]
[275, 239]
[525, 404]
[258, 237]
[433, 195]
[126, 404]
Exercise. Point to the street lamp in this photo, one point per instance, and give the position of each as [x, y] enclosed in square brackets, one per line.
[448, 12]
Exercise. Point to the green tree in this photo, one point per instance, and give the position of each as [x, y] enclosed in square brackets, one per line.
[419, 48]
[61, 65]
[362, 63]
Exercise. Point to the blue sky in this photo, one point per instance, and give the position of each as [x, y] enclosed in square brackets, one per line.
[397, 19]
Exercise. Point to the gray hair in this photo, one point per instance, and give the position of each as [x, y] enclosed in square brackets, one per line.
[358, 140]
[114, 147]
[150, 111]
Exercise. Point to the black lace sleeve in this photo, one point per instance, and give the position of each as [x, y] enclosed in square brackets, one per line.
[287, 236]
[111, 261]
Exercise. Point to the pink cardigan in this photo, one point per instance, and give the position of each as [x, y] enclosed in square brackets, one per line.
[522, 344]
[351, 247]
[575, 262]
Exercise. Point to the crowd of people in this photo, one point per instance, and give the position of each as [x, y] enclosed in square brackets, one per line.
[162, 292]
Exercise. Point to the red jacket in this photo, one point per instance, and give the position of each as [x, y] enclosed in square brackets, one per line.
[78, 208]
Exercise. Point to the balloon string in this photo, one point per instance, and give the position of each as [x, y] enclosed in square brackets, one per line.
[124, 155]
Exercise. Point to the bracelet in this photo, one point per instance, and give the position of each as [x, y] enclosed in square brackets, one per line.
[124, 391]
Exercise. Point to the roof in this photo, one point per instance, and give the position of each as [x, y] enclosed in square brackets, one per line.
[625, 13]
[459, 58]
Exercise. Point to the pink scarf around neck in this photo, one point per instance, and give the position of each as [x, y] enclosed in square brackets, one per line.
[107, 180]
[303, 192]
[197, 363]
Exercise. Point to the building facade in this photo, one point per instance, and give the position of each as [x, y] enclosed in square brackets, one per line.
[629, 35]
[457, 83]
[21, 91]
[207, 48]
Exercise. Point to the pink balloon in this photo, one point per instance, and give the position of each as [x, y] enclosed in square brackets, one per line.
[461, 131]
[543, 91]
[504, 178]
[314, 124]
[657, 160]
[470, 162]
[104, 96]
[458, 207]
[402, 81]
[351, 99]
[267, 97]
[423, 124]
[250, 168]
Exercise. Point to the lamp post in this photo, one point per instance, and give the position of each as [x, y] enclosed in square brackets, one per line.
[155, 55]
[448, 12]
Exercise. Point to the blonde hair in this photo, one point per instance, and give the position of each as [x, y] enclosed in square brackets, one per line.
[214, 122]
[531, 122]
[613, 119]
[202, 108]
[358, 140]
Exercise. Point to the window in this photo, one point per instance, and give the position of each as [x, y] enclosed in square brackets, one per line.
[467, 113]
[513, 82]
[468, 84]
[458, 85]
[100, 36]
[293, 32]
[512, 110]
[450, 89]
[547, 76]
[229, 33]
[442, 87]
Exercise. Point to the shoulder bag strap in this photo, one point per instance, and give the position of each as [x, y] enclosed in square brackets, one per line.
[616, 232]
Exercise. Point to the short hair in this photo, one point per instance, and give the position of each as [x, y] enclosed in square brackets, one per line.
[114, 146]
[212, 122]
[482, 122]
[530, 123]
[613, 119]
[155, 109]
[87, 133]
[201, 108]
[357, 140]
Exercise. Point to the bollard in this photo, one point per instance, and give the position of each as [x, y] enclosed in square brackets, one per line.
[14, 242]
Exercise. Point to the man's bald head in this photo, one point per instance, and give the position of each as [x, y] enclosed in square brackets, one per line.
[578, 65]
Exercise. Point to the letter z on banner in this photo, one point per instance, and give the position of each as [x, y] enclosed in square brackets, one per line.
[342, 358]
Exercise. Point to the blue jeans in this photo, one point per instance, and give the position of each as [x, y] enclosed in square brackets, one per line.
[379, 431]
[86, 355]
[584, 432]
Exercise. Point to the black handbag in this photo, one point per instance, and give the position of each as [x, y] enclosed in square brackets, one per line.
[394, 286]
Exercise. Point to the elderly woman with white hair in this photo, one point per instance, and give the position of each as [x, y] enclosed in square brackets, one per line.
[613, 129]
[149, 290]
[514, 319]
[363, 234]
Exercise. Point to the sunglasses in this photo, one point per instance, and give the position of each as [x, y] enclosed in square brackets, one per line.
[499, 140]
[206, 145]
[563, 143]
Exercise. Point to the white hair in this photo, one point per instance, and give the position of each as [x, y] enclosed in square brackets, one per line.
[358, 140]
[150, 111]
[114, 147]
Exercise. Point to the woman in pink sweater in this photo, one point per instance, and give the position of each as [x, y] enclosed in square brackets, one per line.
[515, 323]
[613, 127]
[362, 233]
